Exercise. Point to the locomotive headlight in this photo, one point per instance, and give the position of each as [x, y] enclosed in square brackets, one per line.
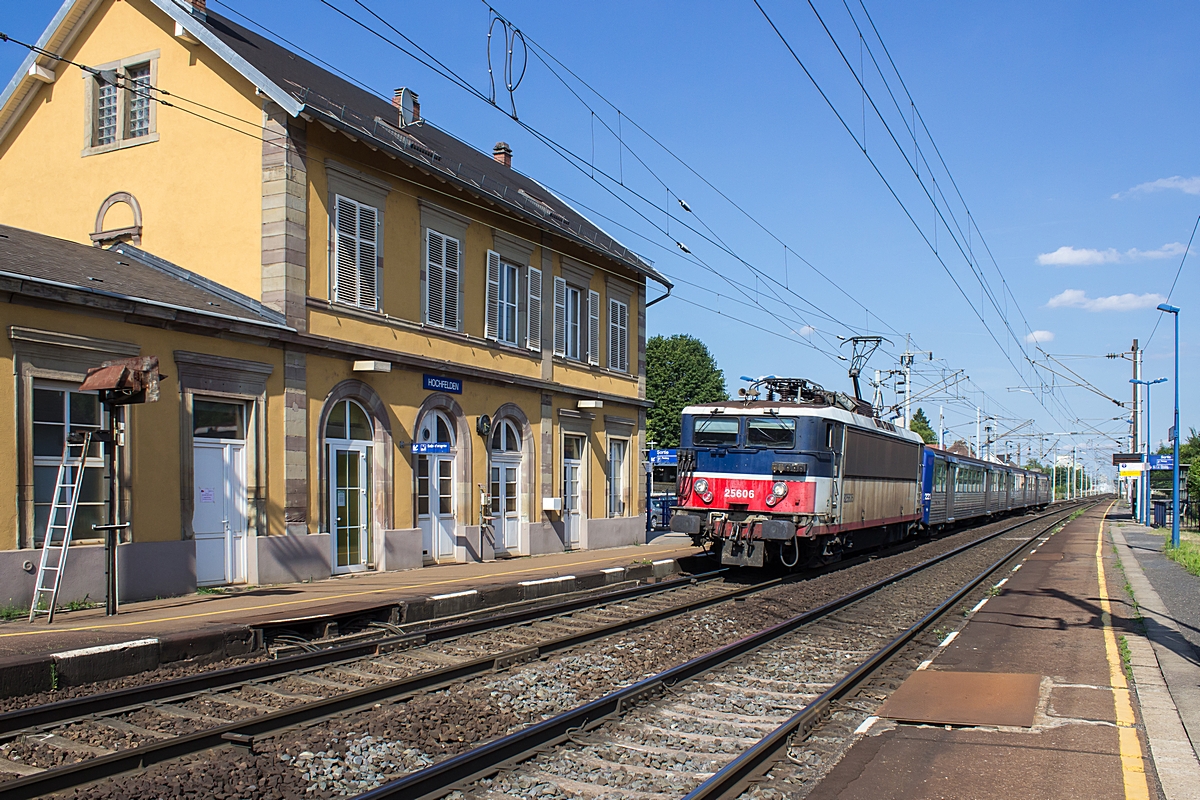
[700, 486]
[779, 489]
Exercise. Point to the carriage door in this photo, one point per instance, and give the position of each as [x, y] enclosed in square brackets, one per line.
[505, 478]
[434, 452]
[571, 490]
[349, 437]
[219, 484]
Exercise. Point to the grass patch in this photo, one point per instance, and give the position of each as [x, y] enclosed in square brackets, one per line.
[1187, 555]
[1126, 657]
[209, 590]
[80, 605]
[10, 612]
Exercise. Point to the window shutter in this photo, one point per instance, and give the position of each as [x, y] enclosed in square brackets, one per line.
[560, 317]
[368, 256]
[453, 258]
[435, 278]
[491, 321]
[618, 336]
[624, 323]
[593, 330]
[533, 325]
[345, 251]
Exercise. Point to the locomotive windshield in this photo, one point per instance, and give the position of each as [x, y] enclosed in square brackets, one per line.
[773, 432]
[715, 432]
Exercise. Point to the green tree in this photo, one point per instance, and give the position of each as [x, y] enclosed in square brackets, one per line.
[920, 426]
[680, 371]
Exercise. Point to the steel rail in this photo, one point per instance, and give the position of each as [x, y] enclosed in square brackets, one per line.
[732, 779]
[64, 711]
[243, 732]
[440, 778]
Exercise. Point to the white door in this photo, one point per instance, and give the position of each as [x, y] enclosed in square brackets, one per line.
[435, 506]
[219, 516]
[350, 498]
[572, 500]
[505, 515]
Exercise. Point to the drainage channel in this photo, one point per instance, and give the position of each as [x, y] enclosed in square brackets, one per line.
[631, 742]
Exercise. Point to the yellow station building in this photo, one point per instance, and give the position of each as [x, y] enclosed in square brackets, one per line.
[384, 348]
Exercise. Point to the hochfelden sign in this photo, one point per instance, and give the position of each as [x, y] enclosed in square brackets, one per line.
[439, 383]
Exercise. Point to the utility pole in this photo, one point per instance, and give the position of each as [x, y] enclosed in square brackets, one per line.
[941, 426]
[977, 421]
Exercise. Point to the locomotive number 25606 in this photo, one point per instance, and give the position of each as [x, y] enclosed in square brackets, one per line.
[733, 492]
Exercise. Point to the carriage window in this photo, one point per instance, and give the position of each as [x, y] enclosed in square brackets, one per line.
[939, 476]
[715, 432]
[779, 434]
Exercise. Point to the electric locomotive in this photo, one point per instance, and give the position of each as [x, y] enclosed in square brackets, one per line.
[801, 475]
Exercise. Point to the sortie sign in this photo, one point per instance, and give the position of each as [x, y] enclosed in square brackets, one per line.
[439, 383]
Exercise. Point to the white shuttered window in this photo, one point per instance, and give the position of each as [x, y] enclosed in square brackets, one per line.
[502, 318]
[533, 329]
[442, 266]
[618, 336]
[593, 329]
[560, 317]
[355, 253]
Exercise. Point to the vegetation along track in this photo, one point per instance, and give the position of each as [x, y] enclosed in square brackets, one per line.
[664, 735]
[456, 690]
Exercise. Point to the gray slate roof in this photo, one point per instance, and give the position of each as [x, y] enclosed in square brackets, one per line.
[332, 99]
[124, 272]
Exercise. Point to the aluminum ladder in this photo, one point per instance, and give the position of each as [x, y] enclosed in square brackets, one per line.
[57, 540]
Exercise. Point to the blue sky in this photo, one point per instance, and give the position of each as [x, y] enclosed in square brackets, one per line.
[1067, 127]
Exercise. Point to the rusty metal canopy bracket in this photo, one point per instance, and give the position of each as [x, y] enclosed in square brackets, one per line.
[125, 381]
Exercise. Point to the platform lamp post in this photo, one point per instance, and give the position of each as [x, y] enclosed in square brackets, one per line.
[1145, 481]
[1174, 311]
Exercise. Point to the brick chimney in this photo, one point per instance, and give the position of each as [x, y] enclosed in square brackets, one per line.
[199, 8]
[502, 153]
[407, 103]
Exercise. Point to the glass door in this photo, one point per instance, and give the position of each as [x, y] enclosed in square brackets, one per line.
[505, 517]
[572, 501]
[350, 493]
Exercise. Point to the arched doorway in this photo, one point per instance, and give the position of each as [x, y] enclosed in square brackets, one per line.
[349, 437]
[505, 485]
[434, 451]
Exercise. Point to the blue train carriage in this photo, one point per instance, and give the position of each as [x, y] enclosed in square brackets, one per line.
[800, 477]
[956, 488]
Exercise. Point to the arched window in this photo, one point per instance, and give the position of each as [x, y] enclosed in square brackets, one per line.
[348, 421]
[505, 438]
[436, 429]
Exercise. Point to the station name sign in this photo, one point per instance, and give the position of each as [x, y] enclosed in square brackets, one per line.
[439, 383]
[1162, 463]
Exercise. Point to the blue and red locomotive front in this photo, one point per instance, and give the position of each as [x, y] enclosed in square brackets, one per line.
[802, 476]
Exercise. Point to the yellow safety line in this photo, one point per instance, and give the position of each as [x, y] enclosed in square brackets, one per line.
[1133, 768]
[314, 599]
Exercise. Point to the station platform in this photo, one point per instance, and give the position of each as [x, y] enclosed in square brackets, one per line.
[86, 645]
[1031, 697]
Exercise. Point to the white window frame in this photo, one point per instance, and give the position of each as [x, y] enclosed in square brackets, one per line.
[48, 464]
[576, 322]
[502, 319]
[618, 474]
[442, 281]
[356, 283]
[125, 97]
[618, 335]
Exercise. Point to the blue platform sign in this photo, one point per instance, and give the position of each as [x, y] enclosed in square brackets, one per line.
[430, 447]
[438, 383]
[1162, 463]
[664, 458]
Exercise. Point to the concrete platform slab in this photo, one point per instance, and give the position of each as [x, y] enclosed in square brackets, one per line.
[1059, 616]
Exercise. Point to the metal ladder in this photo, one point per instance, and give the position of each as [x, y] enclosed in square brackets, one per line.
[60, 524]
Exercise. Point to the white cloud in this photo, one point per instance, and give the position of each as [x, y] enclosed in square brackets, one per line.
[1039, 337]
[1067, 256]
[807, 330]
[1185, 185]
[1077, 298]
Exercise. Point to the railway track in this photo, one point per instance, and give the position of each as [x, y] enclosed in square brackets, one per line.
[303, 721]
[702, 728]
